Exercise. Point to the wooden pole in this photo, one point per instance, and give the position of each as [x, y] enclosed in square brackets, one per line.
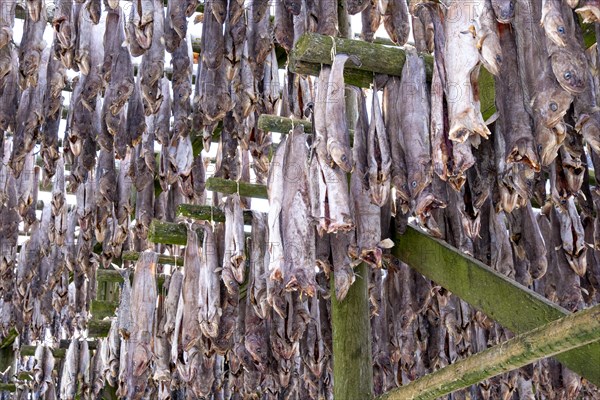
[351, 326]
[313, 49]
[511, 305]
[208, 213]
[244, 189]
[566, 333]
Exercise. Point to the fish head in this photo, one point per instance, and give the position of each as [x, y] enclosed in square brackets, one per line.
[491, 55]
[552, 104]
[31, 64]
[6, 35]
[6, 120]
[418, 180]
[93, 85]
[217, 105]
[570, 70]
[95, 10]
[341, 155]
[179, 23]
[504, 10]
[34, 7]
[554, 25]
[230, 281]
[120, 96]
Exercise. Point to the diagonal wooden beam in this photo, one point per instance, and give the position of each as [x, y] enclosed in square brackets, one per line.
[567, 333]
[512, 305]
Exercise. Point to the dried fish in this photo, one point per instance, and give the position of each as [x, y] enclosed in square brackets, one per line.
[190, 326]
[396, 21]
[462, 67]
[7, 23]
[234, 260]
[520, 145]
[297, 233]
[152, 64]
[379, 158]
[209, 293]
[140, 27]
[414, 124]
[32, 46]
[139, 352]
[338, 137]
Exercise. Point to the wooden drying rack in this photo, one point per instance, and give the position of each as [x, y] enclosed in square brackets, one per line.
[543, 328]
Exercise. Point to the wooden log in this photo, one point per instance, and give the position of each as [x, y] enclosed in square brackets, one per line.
[208, 213]
[102, 308]
[244, 189]
[167, 233]
[316, 49]
[312, 50]
[98, 328]
[57, 352]
[162, 258]
[275, 123]
[353, 77]
[567, 333]
[350, 318]
[9, 339]
[512, 305]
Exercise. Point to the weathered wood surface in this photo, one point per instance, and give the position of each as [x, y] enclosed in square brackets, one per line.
[567, 333]
[312, 50]
[207, 213]
[244, 189]
[512, 305]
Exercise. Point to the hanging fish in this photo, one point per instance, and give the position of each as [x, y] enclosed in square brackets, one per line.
[297, 233]
[152, 65]
[414, 124]
[462, 67]
[234, 261]
[32, 46]
[379, 158]
[140, 27]
[209, 292]
[338, 137]
[7, 23]
[139, 353]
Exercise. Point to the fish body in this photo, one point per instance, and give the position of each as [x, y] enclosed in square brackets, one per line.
[379, 157]
[519, 140]
[152, 65]
[488, 42]
[7, 22]
[190, 329]
[396, 21]
[414, 124]
[297, 232]
[140, 347]
[33, 45]
[210, 296]
[338, 138]
[462, 67]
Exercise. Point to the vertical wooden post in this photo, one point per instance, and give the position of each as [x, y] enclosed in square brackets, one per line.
[352, 364]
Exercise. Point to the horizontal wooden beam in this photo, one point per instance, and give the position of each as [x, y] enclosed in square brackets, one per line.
[567, 333]
[208, 213]
[374, 58]
[168, 233]
[313, 50]
[162, 258]
[512, 305]
[98, 328]
[244, 189]
[275, 123]
[57, 352]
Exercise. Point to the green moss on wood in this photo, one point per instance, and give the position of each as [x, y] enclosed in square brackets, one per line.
[512, 305]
